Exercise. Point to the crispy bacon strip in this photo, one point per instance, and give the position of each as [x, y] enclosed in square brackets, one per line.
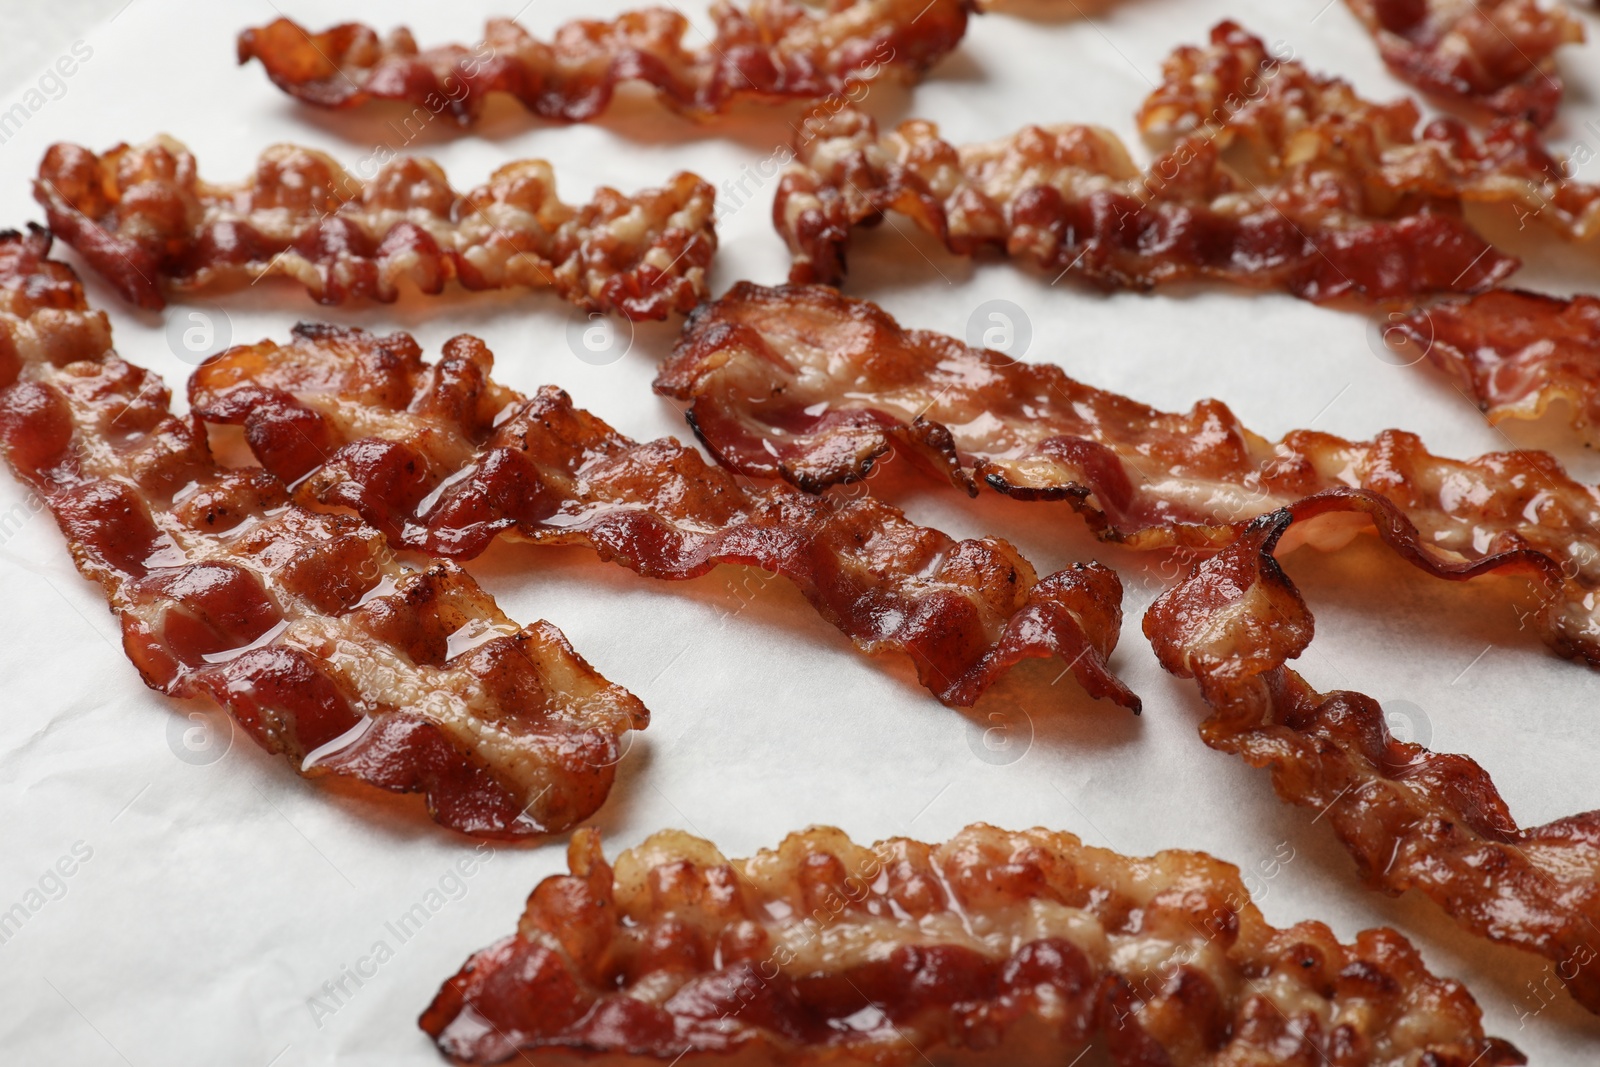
[1496, 54]
[143, 218]
[1309, 129]
[1411, 818]
[443, 459]
[1020, 949]
[1514, 352]
[772, 51]
[302, 625]
[1070, 200]
[803, 384]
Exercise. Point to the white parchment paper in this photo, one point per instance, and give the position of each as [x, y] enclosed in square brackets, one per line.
[190, 900]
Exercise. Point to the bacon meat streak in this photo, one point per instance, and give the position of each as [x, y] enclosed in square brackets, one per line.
[1294, 123]
[1069, 199]
[1411, 818]
[1496, 54]
[304, 626]
[773, 50]
[443, 460]
[1020, 949]
[804, 384]
[144, 219]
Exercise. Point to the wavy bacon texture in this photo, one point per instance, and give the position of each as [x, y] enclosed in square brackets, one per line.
[773, 50]
[1513, 352]
[1496, 54]
[442, 459]
[804, 384]
[144, 219]
[1315, 130]
[1069, 199]
[1411, 818]
[304, 626]
[1013, 948]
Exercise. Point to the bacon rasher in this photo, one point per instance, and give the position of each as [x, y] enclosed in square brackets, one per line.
[1069, 199]
[1307, 128]
[1015, 949]
[772, 50]
[304, 626]
[443, 460]
[1411, 818]
[1496, 54]
[145, 220]
[804, 384]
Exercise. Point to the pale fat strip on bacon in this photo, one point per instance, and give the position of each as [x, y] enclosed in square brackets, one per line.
[1011, 949]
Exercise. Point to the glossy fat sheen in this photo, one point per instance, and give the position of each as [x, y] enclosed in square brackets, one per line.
[772, 50]
[802, 383]
[1514, 352]
[1292, 122]
[304, 626]
[1070, 200]
[142, 217]
[1411, 818]
[1497, 54]
[1003, 948]
[442, 459]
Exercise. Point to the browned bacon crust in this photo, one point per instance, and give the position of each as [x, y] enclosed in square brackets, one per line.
[1070, 200]
[304, 626]
[1411, 818]
[443, 459]
[144, 219]
[1496, 54]
[1312, 129]
[810, 386]
[773, 50]
[1513, 352]
[1010, 948]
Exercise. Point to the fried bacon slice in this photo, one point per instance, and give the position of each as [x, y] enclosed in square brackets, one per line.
[1495, 54]
[1411, 818]
[442, 459]
[1069, 199]
[1020, 949]
[773, 50]
[304, 626]
[1512, 351]
[807, 385]
[1311, 129]
[144, 219]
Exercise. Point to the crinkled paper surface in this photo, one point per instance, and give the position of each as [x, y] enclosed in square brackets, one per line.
[220, 909]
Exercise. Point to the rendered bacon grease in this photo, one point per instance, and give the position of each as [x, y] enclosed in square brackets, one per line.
[443, 460]
[803, 384]
[772, 50]
[304, 626]
[1070, 200]
[144, 219]
[1411, 818]
[1016, 949]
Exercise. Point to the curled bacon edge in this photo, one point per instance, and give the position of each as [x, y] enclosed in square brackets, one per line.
[443, 460]
[773, 51]
[1410, 818]
[304, 627]
[1019, 949]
